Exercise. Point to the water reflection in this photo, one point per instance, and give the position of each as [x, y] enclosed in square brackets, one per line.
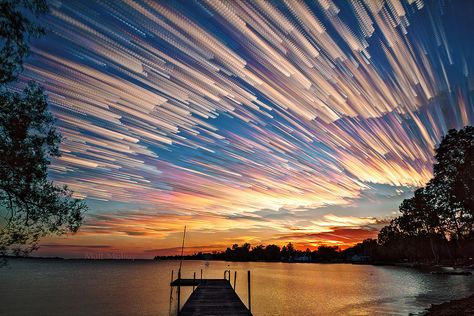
[73, 287]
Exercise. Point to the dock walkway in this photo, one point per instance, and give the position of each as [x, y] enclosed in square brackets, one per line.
[212, 297]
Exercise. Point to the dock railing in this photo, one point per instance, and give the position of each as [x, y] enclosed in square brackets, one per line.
[196, 283]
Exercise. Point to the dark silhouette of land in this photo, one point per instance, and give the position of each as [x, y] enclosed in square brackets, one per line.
[462, 307]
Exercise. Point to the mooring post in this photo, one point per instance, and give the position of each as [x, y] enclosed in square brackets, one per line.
[171, 291]
[201, 275]
[179, 291]
[250, 302]
[194, 280]
[235, 278]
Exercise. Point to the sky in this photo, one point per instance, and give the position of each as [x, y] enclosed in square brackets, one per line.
[260, 122]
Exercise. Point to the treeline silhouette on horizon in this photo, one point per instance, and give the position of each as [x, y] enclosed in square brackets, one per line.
[269, 253]
[435, 226]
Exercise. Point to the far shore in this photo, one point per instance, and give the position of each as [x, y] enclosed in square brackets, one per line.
[418, 265]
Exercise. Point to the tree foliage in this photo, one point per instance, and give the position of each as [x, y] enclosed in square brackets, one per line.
[32, 206]
[440, 216]
[17, 25]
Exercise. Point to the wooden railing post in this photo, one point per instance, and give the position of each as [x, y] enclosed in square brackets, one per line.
[201, 275]
[194, 280]
[235, 278]
[179, 291]
[250, 302]
[171, 290]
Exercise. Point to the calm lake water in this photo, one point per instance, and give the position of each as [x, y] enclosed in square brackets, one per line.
[79, 287]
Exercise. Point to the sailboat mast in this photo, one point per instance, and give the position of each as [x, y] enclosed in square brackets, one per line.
[182, 249]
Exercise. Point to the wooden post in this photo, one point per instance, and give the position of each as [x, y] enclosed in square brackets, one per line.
[171, 291]
[179, 291]
[201, 275]
[250, 302]
[194, 280]
[235, 278]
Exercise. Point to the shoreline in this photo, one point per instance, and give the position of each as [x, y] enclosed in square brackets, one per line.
[459, 307]
[165, 258]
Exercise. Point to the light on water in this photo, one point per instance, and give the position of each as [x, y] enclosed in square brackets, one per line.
[80, 287]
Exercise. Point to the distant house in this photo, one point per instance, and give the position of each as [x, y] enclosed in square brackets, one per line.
[303, 258]
[359, 258]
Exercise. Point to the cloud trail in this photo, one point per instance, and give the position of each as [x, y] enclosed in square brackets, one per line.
[221, 107]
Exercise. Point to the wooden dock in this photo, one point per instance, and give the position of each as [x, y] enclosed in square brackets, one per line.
[212, 297]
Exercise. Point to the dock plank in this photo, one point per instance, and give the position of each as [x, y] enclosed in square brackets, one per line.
[214, 297]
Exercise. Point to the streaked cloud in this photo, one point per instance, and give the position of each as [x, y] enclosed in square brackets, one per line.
[216, 113]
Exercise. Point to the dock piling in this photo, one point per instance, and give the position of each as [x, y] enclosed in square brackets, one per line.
[194, 280]
[250, 302]
[171, 291]
[179, 291]
[235, 278]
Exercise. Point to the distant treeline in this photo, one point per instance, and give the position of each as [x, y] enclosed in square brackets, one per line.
[436, 225]
[272, 253]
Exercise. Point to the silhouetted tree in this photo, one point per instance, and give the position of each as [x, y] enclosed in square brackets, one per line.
[31, 206]
[258, 253]
[439, 216]
[290, 248]
[272, 253]
[284, 252]
[326, 253]
[17, 24]
[419, 219]
[454, 179]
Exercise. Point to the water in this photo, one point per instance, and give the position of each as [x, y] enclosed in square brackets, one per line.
[77, 287]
